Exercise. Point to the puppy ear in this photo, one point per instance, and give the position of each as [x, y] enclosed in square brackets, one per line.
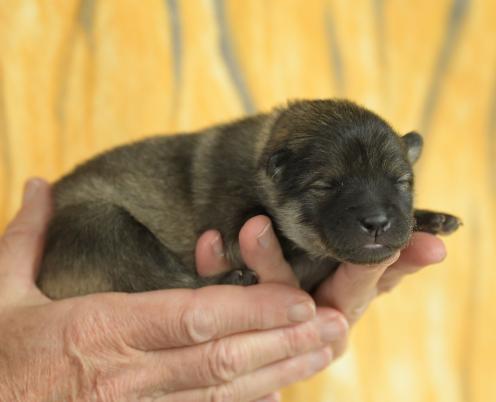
[276, 162]
[413, 142]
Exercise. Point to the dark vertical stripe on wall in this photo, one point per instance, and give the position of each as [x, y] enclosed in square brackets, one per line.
[83, 21]
[230, 59]
[380, 35]
[458, 13]
[83, 24]
[334, 53]
[86, 14]
[176, 38]
[176, 54]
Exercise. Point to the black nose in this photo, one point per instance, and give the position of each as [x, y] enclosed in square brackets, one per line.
[375, 224]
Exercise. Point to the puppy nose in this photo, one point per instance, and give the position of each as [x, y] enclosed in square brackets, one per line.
[375, 224]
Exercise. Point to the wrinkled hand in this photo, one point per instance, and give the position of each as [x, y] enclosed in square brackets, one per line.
[352, 287]
[216, 343]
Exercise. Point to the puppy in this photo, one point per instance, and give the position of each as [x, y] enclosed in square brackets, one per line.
[335, 179]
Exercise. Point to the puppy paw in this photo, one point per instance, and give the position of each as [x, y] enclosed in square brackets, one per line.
[437, 223]
[240, 277]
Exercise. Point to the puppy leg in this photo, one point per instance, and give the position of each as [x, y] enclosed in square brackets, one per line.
[435, 222]
[99, 247]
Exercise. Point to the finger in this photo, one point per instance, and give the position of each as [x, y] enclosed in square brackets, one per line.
[181, 317]
[209, 254]
[261, 252]
[21, 245]
[352, 287]
[228, 358]
[261, 382]
[423, 249]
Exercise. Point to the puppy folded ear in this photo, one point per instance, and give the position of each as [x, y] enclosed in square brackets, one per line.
[413, 142]
[276, 161]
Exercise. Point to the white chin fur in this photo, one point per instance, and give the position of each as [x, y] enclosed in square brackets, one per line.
[373, 246]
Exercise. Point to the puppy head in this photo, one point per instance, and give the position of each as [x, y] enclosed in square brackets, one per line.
[339, 180]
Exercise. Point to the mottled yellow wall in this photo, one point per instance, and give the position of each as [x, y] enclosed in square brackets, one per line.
[77, 77]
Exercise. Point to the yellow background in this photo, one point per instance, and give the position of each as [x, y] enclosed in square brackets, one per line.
[77, 77]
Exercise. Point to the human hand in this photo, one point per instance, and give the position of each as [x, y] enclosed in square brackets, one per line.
[216, 343]
[349, 290]
[353, 287]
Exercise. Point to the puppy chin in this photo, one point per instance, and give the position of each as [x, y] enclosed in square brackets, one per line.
[367, 253]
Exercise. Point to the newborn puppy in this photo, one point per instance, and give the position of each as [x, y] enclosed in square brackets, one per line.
[335, 179]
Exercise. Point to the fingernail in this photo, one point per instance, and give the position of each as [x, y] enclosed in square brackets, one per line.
[217, 246]
[30, 189]
[319, 359]
[264, 237]
[332, 328]
[301, 312]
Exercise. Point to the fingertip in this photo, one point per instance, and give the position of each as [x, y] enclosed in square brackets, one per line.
[253, 229]
[424, 249]
[261, 251]
[333, 323]
[36, 208]
[33, 187]
[209, 254]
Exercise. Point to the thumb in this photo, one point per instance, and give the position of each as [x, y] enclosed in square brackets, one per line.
[352, 287]
[21, 245]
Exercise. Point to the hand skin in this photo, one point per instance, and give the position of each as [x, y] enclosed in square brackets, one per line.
[221, 343]
[350, 290]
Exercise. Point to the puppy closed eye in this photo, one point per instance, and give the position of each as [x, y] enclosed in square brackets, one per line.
[404, 182]
[325, 185]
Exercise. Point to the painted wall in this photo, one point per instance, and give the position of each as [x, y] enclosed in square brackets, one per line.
[77, 77]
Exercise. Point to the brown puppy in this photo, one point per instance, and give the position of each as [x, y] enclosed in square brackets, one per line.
[335, 179]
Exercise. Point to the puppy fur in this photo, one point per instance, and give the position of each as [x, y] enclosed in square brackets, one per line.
[335, 179]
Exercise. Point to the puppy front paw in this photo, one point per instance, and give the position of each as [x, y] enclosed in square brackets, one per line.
[438, 223]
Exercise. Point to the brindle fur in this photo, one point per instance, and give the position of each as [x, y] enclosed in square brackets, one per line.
[128, 220]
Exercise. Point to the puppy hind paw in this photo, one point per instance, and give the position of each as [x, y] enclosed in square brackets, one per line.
[240, 277]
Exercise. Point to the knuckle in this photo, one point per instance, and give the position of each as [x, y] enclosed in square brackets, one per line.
[290, 342]
[13, 238]
[94, 350]
[223, 393]
[224, 361]
[19, 232]
[78, 352]
[83, 325]
[356, 312]
[294, 371]
[301, 338]
[196, 324]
